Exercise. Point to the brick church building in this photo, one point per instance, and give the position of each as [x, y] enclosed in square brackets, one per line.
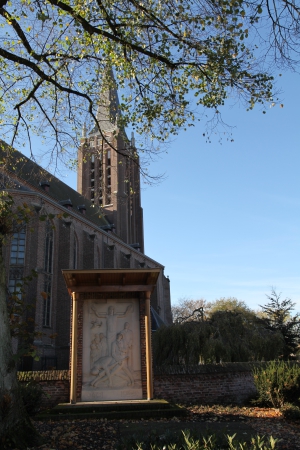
[96, 227]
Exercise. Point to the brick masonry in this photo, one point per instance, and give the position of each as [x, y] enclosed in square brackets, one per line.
[77, 242]
[209, 384]
[222, 388]
[55, 384]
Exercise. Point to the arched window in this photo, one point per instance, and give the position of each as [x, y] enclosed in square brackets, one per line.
[48, 269]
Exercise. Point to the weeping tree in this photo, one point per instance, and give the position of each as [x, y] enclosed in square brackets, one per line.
[226, 336]
[244, 337]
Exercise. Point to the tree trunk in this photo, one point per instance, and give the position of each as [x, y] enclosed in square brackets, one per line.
[16, 429]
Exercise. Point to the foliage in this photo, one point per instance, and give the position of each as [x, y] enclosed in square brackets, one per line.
[227, 330]
[188, 310]
[13, 219]
[277, 383]
[229, 304]
[277, 314]
[20, 312]
[19, 433]
[243, 337]
[188, 441]
[291, 412]
[15, 426]
[226, 336]
[166, 57]
[191, 310]
[32, 395]
[176, 344]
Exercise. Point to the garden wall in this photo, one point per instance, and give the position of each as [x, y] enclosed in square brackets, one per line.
[213, 383]
[55, 384]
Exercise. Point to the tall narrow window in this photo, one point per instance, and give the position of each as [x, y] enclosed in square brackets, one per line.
[75, 252]
[92, 176]
[17, 250]
[48, 263]
[17, 260]
[47, 300]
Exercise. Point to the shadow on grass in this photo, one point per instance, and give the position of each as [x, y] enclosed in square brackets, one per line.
[219, 422]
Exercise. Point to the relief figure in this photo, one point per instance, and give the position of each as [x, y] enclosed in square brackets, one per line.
[98, 348]
[111, 323]
[128, 343]
[105, 368]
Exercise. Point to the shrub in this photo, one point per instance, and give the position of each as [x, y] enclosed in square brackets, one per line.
[291, 412]
[32, 395]
[277, 383]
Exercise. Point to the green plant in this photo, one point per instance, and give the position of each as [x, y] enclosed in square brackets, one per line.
[32, 395]
[187, 441]
[277, 383]
[291, 412]
[278, 317]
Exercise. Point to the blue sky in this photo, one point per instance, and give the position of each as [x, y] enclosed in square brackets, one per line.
[225, 221]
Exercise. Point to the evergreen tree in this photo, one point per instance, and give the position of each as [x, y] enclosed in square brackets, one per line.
[278, 317]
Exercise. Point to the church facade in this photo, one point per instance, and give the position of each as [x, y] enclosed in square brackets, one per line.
[96, 227]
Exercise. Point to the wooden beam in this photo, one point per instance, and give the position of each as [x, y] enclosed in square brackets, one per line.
[114, 288]
[148, 346]
[73, 387]
[149, 279]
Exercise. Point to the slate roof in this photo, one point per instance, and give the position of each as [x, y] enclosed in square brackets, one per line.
[19, 166]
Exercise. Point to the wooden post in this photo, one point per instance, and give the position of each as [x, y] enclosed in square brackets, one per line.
[148, 347]
[74, 350]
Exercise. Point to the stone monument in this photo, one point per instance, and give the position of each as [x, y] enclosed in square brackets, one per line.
[112, 351]
[111, 355]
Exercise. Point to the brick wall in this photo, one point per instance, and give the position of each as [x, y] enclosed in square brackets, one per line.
[109, 256]
[88, 249]
[79, 349]
[222, 383]
[222, 388]
[55, 384]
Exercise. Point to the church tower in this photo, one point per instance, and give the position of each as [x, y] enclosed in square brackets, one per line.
[108, 172]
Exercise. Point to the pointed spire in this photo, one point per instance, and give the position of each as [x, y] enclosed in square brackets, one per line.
[132, 139]
[108, 107]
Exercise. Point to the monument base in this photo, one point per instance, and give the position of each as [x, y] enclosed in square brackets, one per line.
[122, 391]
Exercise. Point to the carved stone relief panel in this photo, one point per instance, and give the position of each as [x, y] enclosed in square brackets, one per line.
[111, 350]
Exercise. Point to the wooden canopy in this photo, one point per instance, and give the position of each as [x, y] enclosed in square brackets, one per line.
[111, 280]
[80, 282]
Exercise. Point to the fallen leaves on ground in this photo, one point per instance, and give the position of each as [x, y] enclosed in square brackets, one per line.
[265, 421]
[103, 434]
[78, 434]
